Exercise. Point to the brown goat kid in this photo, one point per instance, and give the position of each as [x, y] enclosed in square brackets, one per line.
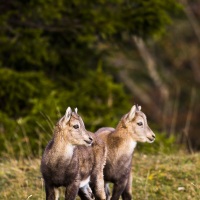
[121, 142]
[73, 158]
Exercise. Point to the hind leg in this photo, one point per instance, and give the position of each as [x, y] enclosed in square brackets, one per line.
[107, 191]
[85, 193]
[118, 188]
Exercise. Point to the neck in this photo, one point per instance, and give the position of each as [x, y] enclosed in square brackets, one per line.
[127, 143]
[61, 148]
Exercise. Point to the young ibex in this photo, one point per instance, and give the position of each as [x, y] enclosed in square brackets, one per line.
[73, 158]
[121, 142]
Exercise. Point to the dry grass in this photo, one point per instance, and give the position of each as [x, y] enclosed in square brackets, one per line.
[20, 179]
[163, 177]
[159, 177]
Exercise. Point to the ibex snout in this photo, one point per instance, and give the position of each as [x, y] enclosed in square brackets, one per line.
[89, 141]
[151, 137]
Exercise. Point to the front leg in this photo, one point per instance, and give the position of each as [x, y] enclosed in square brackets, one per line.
[97, 185]
[97, 179]
[127, 193]
[52, 193]
[72, 190]
[118, 189]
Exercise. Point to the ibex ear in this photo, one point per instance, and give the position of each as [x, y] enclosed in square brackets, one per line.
[76, 110]
[68, 114]
[131, 114]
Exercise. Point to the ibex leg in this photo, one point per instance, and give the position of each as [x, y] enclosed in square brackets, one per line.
[51, 193]
[71, 191]
[118, 189]
[127, 193]
[85, 193]
[107, 190]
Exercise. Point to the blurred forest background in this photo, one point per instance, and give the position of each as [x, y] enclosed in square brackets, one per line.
[102, 57]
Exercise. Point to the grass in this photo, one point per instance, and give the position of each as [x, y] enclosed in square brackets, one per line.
[155, 177]
[167, 177]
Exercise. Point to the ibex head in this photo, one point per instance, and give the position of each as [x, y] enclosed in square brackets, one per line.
[72, 128]
[136, 124]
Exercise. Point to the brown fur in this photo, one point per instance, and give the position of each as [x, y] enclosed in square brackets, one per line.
[68, 159]
[120, 143]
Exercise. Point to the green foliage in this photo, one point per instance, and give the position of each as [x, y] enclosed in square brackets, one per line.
[48, 58]
[102, 102]
[62, 34]
[18, 91]
[31, 104]
[34, 105]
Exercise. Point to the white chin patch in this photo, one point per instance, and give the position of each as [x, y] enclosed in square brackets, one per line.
[84, 182]
[134, 144]
[149, 141]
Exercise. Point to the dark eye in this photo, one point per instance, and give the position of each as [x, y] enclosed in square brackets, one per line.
[139, 123]
[76, 126]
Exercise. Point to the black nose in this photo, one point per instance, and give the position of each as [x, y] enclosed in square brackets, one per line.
[90, 141]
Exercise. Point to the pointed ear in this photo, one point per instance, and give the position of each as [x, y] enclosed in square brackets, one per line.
[68, 114]
[139, 107]
[131, 114]
[76, 110]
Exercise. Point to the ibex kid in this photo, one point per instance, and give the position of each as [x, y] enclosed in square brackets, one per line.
[73, 158]
[121, 142]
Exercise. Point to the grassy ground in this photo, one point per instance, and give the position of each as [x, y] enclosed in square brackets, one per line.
[154, 177]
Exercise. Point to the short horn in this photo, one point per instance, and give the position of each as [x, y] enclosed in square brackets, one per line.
[138, 108]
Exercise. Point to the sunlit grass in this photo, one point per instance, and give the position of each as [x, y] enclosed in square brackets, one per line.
[159, 177]
[167, 177]
[20, 179]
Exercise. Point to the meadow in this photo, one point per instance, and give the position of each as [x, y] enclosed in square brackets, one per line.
[155, 177]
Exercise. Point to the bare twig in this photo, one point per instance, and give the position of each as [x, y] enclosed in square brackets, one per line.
[188, 120]
[124, 76]
[175, 112]
[192, 19]
[151, 66]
